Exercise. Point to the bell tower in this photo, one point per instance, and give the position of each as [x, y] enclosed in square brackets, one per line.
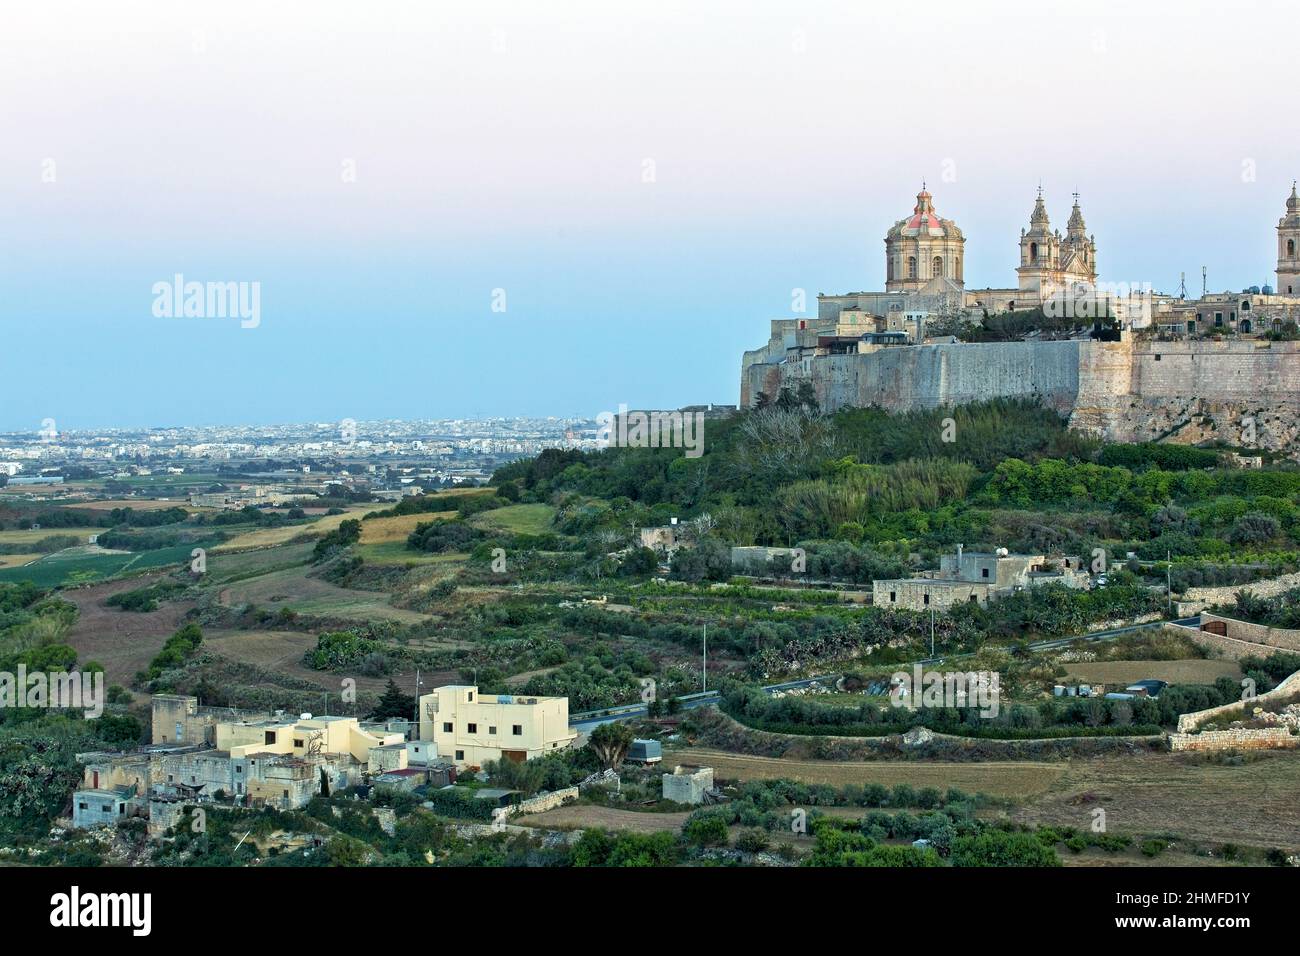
[1040, 252]
[1288, 247]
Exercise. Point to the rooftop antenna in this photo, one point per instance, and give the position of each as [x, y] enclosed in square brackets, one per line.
[1204, 286]
[1182, 285]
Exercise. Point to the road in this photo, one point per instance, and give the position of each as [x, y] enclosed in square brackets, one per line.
[586, 721]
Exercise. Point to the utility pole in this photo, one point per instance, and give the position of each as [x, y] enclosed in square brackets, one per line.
[1169, 578]
[932, 633]
[706, 658]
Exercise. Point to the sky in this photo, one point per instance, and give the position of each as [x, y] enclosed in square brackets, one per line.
[523, 208]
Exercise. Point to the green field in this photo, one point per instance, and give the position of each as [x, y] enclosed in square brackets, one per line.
[517, 519]
[82, 565]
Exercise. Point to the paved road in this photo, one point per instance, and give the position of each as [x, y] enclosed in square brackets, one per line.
[586, 721]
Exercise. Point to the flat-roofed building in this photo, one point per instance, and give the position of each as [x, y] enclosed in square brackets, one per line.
[469, 728]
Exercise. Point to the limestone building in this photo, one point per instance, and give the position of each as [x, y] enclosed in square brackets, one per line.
[924, 252]
[978, 577]
[1288, 247]
[470, 728]
[1050, 264]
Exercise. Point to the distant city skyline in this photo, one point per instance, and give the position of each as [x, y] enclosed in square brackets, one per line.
[642, 190]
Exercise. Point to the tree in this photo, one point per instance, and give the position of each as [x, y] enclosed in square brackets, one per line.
[999, 848]
[1257, 527]
[610, 741]
[393, 703]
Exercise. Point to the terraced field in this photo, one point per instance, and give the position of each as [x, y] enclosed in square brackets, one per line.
[271, 537]
[395, 529]
[517, 519]
[293, 589]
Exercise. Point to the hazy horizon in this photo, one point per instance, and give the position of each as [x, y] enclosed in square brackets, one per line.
[379, 184]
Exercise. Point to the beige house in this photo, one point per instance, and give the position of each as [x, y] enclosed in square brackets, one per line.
[469, 728]
[977, 576]
[302, 737]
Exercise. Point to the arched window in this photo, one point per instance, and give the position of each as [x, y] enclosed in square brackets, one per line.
[1290, 248]
[1033, 252]
[956, 269]
[937, 269]
[911, 267]
[889, 268]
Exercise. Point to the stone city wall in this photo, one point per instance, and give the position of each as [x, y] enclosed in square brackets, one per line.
[1134, 390]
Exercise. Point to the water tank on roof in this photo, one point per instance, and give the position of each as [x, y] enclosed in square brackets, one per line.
[505, 699]
[304, 716]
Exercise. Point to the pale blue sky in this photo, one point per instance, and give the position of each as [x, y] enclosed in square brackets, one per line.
[499, 145]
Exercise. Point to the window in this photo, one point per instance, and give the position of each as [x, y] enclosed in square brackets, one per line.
[1218, 318]
[270, 736]
[472, 728]
[460, 755]
[492, 731]
[238, 769]
[984, 572]
[1157, 356]
[927, 599]
[81, 806]
[286, 794]
[1033, 252]
[1245, 306]
[889, 268]
[937, 267]
[446, 727]
[893, 596]
[911, 267]
[1290, 250]
[297, 743]
[471, 697]
[180, 730]
[517, 730]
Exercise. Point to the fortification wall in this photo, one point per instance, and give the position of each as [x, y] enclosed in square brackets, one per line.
[1246, 370]
[928, 376]
[1184, 392]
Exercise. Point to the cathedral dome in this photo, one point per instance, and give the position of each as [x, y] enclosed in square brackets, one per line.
[924, 221]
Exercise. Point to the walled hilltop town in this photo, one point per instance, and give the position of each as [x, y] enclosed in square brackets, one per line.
[1121, 361]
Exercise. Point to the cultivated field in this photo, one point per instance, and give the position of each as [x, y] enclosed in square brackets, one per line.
[1208, 803]
[271, 537]
[387, 530]
[292, 588]
[580, 815]
[31, 536]
[1006, 778]
[123, 641]
[1251, 803]
[517, 519]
